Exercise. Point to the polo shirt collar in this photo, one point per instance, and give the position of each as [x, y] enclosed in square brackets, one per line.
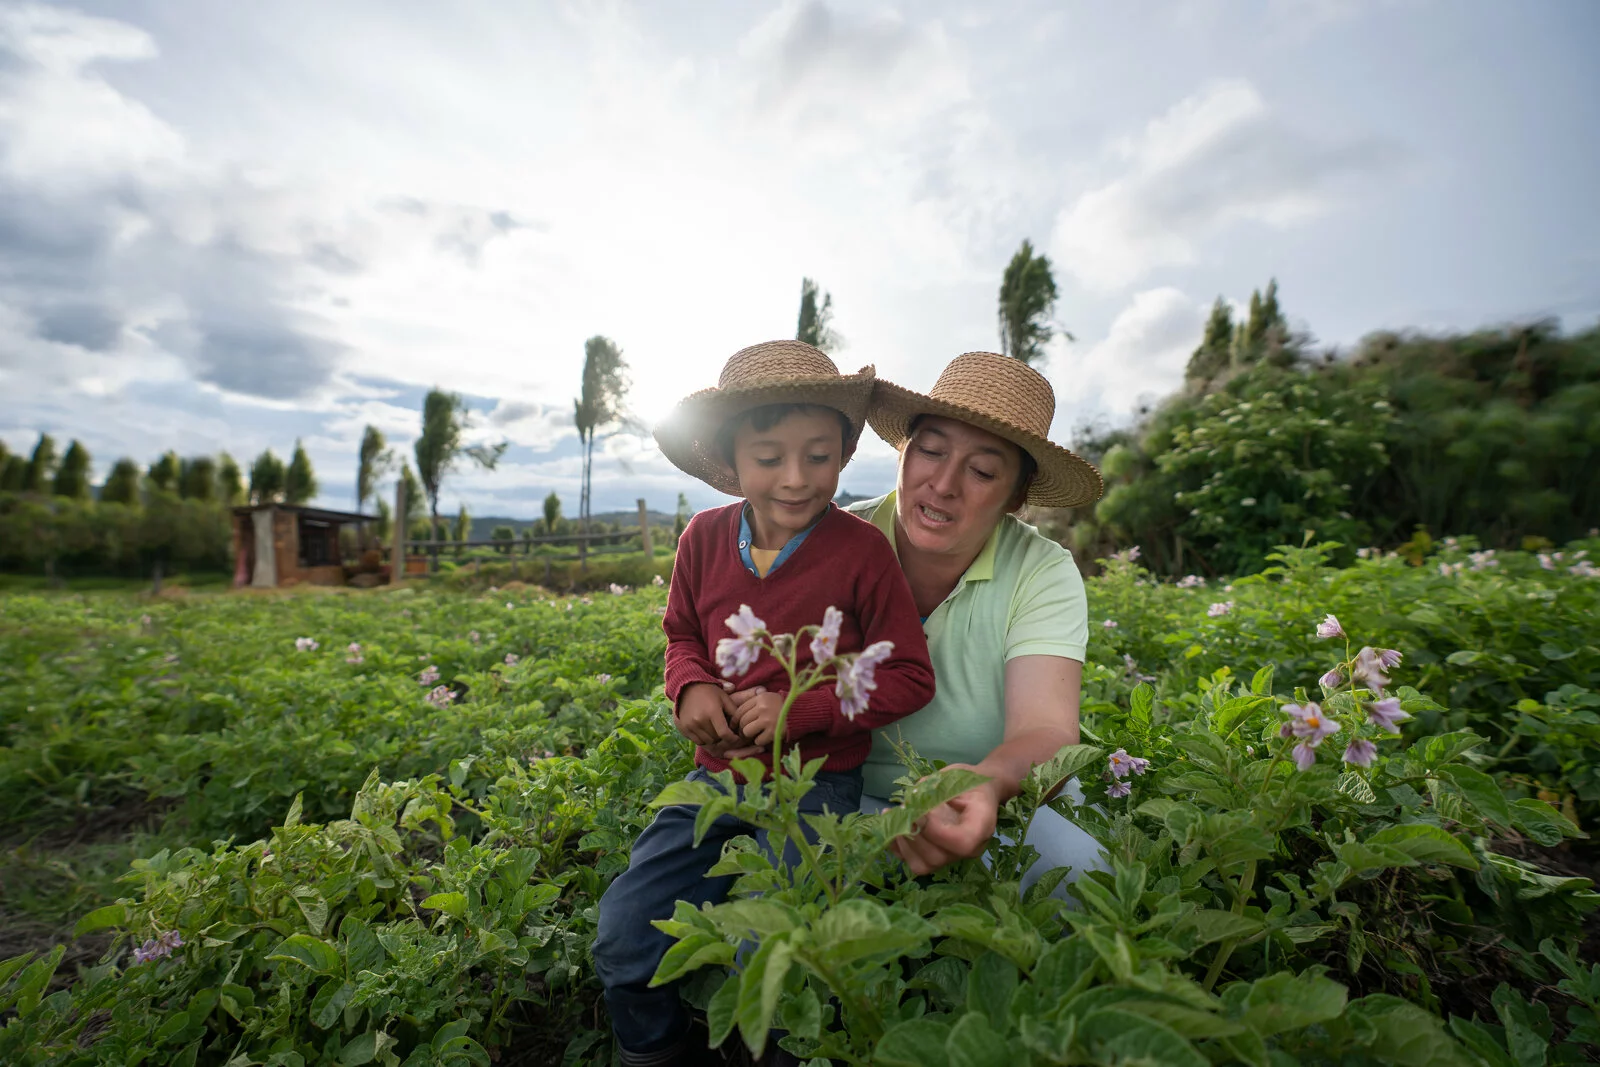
[980, 569]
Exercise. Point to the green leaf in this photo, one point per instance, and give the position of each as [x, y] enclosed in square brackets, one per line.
[1123, 1037]
[1210, 925]
[860, 928]
[330, 1001]
[1541, 822]
[319, 956]
[1048, 777]
[1287, 1001]
[974, 1043]
[1366, 856]
[365, 1049]
[990, 986]
[175, 1024]
[689, 793]
[1140, 703]
[722, 1011]
[1482, 792]
[99, 919]
[693, 952]
[759, 986]
[1427, 844]
[914, 1043]
[1436, 750]
[802, 1014]
[1405, 1035]
[292, 819]
[1261, 684]
[452, 904]
[1356, 788]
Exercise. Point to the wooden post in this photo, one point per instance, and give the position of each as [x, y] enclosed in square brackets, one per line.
[397, 564]
[644, 530]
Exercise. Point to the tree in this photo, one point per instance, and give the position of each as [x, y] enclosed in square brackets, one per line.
[463, 530]
[13, 474]
[376, 459]
[266, 479]
[505, 534]
[1027, 297]
[413, 498]
[72, 476]
[230, 483]
[1212, 357]
[552, 512]
[165, 472]
[299, 481]
[605, 385]
[444, 419]
[198, 480]
[681, 519]
[815, 327]
[122, 484]
[41, 466]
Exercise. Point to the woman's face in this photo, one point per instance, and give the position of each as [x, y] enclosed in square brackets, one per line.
[956, 482]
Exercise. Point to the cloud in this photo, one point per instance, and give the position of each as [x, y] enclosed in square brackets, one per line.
[1214, 159]
[1143, 355]
[531, 424]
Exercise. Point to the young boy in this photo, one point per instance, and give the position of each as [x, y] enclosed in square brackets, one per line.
[776, 431]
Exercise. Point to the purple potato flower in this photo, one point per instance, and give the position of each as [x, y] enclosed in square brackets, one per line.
[1119, 789]
[1332, 680]
[158, 947]
[857, 681]
[1121, 764]
[429, 675]
[1305, 754]
[1221, 607]
[1308, 723]
[441, 696]
[736, 655]
[305, 644]
[1360, 752]
[1388, 658]
[511, 659]
[826, 643]
[1369, 669]
[1386, 714]
[1329, 628]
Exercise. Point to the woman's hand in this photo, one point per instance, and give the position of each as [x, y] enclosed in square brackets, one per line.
[955, 830]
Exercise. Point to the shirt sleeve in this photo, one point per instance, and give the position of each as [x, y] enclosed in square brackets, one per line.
[1049, 611]
[905, 684]
[688, 659]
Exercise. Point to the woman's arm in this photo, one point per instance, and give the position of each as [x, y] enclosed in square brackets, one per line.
[1041, 695]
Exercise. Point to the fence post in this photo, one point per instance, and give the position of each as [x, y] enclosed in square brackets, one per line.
[644, 530]
[397, 560]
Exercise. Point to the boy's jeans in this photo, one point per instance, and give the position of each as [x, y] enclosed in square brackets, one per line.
[665, 868]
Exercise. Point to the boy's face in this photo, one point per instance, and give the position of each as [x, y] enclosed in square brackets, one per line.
[788, 472]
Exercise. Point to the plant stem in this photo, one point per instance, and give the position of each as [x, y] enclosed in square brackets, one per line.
[1241, 895]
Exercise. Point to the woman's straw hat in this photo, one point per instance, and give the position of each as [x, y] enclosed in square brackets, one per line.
[1009, 399]
[775, 372]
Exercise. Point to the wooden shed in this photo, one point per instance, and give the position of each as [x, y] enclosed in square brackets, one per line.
[283, 544]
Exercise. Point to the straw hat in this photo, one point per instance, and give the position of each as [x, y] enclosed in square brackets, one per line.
[775, 372]
[1009, 399]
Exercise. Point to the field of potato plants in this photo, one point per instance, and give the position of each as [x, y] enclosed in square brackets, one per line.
[373, 827]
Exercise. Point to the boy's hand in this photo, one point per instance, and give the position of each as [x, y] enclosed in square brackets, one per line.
[757, 715]
[704, 714]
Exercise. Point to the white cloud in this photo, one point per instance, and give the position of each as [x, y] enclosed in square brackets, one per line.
[1216, 158]
[1142, 356]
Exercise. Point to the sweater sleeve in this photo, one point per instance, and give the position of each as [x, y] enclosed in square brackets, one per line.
[886, 612]
[688, 659]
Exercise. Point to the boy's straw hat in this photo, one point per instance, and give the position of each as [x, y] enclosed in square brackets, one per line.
[775, 372]
[1009, 399]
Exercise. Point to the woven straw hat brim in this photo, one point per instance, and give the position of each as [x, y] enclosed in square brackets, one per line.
[688, 435]
[1065, 479]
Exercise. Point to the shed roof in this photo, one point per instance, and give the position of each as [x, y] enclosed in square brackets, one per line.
[315, 514]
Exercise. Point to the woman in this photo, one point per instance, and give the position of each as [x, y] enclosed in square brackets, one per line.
[1003, 607]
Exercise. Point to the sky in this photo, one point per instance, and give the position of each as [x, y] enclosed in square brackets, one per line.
[236, 226]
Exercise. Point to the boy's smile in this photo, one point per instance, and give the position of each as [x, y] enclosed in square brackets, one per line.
[788, 473]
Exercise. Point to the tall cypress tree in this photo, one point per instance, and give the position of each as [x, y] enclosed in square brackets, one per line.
[166, 473]
[122, 484]
[299, 481]
[42, 465]
[72, 476]
[230, 482]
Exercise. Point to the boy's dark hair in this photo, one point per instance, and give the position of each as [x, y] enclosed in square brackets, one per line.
[767, 416]
[1027, 469]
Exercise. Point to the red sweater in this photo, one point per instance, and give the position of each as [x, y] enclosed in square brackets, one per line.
[844, 562]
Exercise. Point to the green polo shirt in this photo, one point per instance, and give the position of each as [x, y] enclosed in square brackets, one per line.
[1022, 596]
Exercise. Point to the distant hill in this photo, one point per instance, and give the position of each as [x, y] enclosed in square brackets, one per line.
[845, 499]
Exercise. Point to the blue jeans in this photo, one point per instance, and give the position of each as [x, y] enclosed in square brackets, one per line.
[666, 867]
